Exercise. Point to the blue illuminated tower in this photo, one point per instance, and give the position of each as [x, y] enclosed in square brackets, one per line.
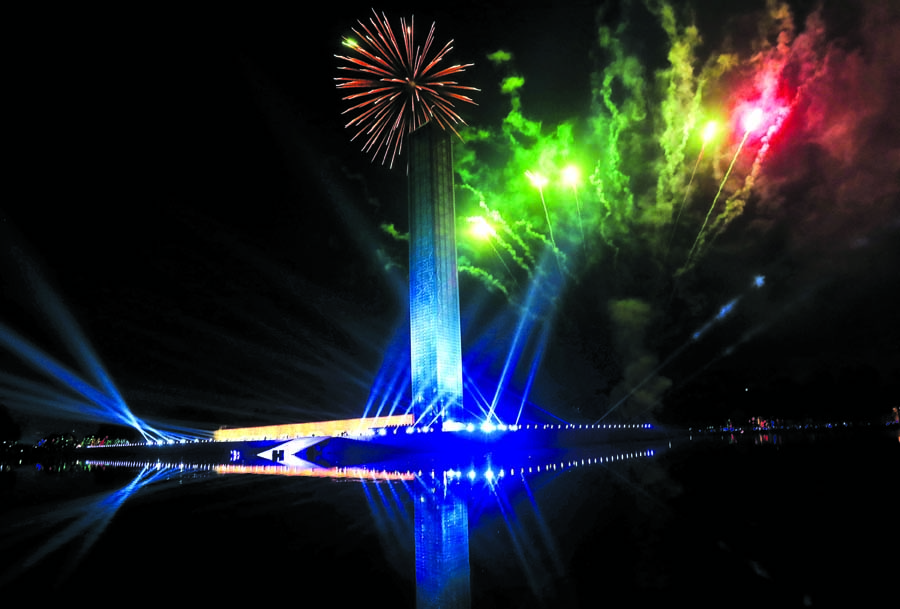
[442, 549]
[435, 349]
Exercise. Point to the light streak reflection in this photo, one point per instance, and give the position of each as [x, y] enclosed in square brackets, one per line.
[78, 523]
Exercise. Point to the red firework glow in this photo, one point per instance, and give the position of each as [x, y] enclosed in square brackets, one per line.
[750, 116]
[401, 89]
[752, 119]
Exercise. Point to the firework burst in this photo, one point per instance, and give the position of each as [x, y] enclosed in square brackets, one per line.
[401, 88]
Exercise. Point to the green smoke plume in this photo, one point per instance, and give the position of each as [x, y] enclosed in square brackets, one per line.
[632, 230]
[634, 150]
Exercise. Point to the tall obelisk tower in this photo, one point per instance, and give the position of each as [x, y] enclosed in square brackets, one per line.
[435, 343]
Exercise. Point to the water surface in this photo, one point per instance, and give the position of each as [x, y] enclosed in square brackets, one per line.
[752, 520]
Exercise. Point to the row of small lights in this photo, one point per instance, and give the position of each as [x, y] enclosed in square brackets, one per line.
[358, 473]
[157, 465]
[789, 427]
[486, 427]
[169, 442]
[489, 427]
[490, 475]
[456, 475]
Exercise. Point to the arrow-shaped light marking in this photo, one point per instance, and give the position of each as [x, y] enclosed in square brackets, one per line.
[290, 449]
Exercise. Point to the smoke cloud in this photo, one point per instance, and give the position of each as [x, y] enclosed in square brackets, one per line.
[821, 169]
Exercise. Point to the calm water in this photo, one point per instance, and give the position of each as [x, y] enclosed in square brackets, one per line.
[792, 521]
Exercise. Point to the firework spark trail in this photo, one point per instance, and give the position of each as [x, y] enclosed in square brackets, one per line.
[486, 232]
[497, 218]
[753, 123]
[559, 256]
[795, 62]
[580, 219]
[707, 135]
[697, 240]
[503, 262]
[402, 89]
[539, 181]
[824, 103]
[529, 231]
[484, 276]
[734, 205]
[570, 177]
[775, 113]
[511, 250]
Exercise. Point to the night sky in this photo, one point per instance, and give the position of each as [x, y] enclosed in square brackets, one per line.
[183, 200]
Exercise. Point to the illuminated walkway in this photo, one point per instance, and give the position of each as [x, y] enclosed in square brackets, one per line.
[339, 427]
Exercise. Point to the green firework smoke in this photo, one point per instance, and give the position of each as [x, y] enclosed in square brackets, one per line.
[632, 149]
[644, 162]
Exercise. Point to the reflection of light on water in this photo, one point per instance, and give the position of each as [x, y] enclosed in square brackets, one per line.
[424, 506]
[442, 549]
[83, 520]
[488, 472]
[355, 473]
[168, 468]
[441, 499]
[765, 438]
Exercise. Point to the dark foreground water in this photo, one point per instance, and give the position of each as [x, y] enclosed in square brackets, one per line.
[762, 521]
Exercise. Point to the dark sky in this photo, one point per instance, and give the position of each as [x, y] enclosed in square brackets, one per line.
[183, 199]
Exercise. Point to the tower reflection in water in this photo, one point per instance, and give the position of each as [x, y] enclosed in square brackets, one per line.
[437, 506]
[442, 547]
[443, 501]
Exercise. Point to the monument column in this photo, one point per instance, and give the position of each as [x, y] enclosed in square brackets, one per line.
[435, 343]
